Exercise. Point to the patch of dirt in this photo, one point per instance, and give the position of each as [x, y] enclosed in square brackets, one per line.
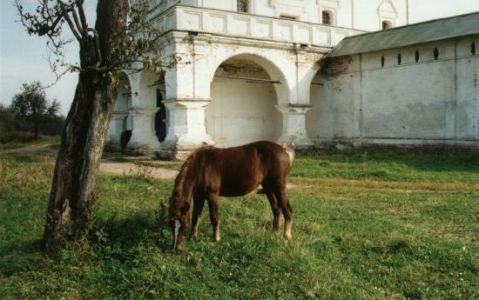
[132, 169]
[109, 167]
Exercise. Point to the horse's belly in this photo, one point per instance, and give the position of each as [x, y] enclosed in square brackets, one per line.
[238, 189]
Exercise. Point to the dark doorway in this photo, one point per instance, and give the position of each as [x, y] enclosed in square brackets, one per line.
[160, 117]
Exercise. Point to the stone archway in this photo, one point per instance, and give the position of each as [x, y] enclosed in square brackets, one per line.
[243, 103]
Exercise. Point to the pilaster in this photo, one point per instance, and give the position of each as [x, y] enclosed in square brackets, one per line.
[294, 125]
[114, 131]
[186, 130]
[143, 139]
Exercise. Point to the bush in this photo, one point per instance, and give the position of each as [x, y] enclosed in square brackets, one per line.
[14, 128]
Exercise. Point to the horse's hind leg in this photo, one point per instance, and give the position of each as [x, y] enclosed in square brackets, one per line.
[286, 209]
[195, 219]
[213, 205]
[274, 208]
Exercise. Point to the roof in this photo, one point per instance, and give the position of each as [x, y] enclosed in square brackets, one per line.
[418, 33]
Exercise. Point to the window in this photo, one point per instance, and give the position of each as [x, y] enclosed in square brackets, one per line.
[382, 61]
[436, 53]
[399, 59]
[327, 17]
[242, 5]
[473, 48]
[161, 127]
[417, 56]
[386, 25]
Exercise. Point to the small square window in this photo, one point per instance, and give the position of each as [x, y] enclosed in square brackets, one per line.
[242, 5]
[327, 17]
[386, 25]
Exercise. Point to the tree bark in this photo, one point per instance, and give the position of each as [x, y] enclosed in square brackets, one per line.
[72, 192]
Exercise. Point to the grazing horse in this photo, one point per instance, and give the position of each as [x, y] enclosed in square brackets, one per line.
[211, 172]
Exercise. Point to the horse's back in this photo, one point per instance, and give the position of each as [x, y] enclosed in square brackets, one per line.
[273, 155]
[239, 170]
[256, 163]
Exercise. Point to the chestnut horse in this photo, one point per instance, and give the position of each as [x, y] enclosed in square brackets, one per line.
[211, 172]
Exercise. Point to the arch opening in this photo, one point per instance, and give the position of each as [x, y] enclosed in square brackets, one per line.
[244, 96]
[320, 109]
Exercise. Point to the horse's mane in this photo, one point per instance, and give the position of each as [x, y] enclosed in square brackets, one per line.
[194, 171]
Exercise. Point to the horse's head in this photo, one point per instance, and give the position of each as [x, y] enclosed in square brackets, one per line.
[178, 219]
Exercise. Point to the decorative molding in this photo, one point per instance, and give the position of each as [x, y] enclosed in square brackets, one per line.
[289, 7]
[387, 12]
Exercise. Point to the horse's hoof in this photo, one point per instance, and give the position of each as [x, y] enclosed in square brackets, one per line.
[288, 237]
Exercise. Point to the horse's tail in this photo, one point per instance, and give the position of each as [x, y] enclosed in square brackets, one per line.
[291, 153]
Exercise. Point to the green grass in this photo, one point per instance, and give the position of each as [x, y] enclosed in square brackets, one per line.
[367, 225]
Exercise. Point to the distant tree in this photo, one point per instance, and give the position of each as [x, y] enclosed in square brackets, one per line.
[32, 107]
[122, 38]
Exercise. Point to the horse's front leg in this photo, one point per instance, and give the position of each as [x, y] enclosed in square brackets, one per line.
[213, 205]
[197, 209]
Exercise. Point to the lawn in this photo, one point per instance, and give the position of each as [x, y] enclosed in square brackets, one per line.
[367, 224]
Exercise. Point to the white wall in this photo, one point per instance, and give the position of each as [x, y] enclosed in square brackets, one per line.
[467, 107]
[332, 115]
[429, 101]
[369, 14]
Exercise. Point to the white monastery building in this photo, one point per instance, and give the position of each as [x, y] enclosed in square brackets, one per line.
[308, 73]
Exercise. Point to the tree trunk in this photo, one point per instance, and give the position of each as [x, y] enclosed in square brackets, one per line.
[72, 193]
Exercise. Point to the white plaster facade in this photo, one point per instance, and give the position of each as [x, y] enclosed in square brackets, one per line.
[413, 99]
[236, 77]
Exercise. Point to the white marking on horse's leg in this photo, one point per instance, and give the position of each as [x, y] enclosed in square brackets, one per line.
[195, 227]
[217, 235]
[287, 230]
[177, 231]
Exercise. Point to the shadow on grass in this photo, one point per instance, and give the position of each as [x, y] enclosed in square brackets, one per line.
[20, 256]
[139, 230]
[121, 240]
[24, 247]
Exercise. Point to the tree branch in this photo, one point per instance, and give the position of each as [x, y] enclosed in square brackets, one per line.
[78, 25]
[81, 11]
[69, 21]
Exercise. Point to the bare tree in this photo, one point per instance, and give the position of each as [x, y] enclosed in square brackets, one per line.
[121, 39]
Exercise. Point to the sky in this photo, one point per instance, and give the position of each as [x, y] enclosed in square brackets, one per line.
[24, 58]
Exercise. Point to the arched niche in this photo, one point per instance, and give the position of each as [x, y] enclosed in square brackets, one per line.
[245, 91]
